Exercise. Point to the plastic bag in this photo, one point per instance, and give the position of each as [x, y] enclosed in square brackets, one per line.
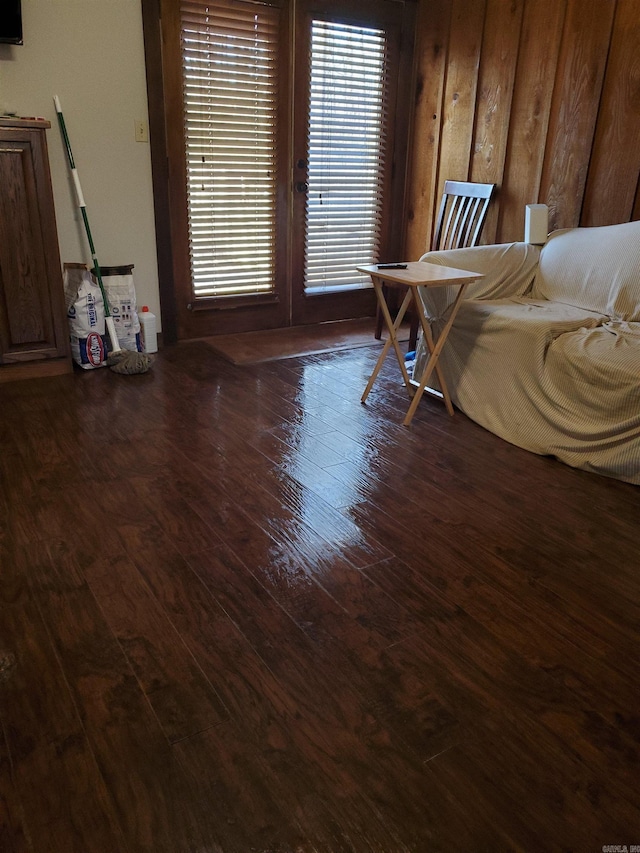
[85, 312]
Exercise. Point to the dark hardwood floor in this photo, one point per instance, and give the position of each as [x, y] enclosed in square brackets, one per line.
[250, 614]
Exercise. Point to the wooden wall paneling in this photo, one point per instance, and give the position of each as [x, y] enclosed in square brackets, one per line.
[529, 118]
[636, 205]
[434, 20]
[615, 159]
[574, 109]
[465, 43]
[502, 26]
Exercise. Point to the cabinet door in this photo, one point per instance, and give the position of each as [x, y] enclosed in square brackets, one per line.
[32, 315]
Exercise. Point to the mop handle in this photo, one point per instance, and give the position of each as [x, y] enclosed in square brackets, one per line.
[81, 204]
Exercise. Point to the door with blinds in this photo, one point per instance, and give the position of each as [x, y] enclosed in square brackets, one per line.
[286, 152]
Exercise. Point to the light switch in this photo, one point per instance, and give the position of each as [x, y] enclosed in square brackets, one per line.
[141, 130]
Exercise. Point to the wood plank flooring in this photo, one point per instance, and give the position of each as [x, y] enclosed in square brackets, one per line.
[250, 614]
[296, 341]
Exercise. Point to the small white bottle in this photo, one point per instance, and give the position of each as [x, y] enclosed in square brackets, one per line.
[148, 331]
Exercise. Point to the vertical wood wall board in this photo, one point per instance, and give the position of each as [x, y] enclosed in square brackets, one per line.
[615, 159]
[574, 109]
[467, 25]
[529, 118]
[433, 23]
[503, 22]
[548, 110]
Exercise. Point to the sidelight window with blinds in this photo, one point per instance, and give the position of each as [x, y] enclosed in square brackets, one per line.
[347, 132]
[230, 54]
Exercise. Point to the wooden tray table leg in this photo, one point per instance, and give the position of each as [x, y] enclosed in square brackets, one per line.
[392, 327]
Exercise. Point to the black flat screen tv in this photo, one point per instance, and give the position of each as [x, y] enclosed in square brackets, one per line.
[10, 22]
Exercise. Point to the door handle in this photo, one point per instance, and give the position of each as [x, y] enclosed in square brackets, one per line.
[302, 187]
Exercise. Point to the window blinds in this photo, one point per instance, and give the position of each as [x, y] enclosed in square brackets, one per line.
[230, 52]
[230, 55]
[347, 135]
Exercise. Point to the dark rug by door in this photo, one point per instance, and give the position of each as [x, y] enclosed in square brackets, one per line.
[275, 344]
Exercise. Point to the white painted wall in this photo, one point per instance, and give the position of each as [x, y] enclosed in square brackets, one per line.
[90, 53]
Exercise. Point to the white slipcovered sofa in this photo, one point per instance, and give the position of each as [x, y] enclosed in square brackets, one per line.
[545, 350]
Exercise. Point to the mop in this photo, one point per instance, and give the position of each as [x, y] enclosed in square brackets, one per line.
[119, 360]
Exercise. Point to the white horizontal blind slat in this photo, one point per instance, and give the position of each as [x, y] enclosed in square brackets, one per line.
[230, 92]
[347, 137]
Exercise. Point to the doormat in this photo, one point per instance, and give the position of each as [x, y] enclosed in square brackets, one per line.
[296, 341]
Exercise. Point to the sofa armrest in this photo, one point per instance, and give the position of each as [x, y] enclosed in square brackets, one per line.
[508, 268]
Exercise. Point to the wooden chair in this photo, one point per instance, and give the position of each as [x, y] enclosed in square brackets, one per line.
[463, 211]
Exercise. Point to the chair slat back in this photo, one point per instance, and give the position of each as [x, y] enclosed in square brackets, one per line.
[462, 215]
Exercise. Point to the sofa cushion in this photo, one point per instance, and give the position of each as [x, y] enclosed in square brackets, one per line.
[502, 341]
[597, 269]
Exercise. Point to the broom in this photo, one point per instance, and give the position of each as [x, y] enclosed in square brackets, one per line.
[120, 361]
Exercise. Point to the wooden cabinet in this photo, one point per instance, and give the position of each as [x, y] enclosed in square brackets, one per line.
[34, 337]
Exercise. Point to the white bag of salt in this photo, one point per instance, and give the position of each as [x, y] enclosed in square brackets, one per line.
[85, 312]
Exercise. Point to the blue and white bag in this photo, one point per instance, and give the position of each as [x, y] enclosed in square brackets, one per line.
[85, 312]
